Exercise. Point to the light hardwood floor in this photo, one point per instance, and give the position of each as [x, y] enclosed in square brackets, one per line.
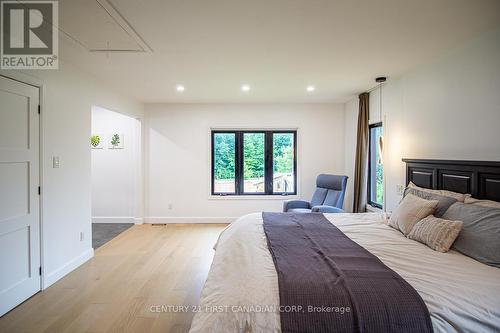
[113, 292]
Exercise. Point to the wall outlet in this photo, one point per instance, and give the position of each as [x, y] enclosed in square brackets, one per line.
[400, 189]
[55, 162]
[170, 206]
[82, 236]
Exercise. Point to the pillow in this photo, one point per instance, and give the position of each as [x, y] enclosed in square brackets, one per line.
[411, 210]
[443, 202]
[460, 197]
[484, 203]
[480, 235]
[436, 233]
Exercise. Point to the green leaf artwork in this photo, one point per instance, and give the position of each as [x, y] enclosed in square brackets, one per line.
[95, 140]
[115, 140]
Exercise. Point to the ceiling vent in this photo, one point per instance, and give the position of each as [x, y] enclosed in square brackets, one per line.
[98, 27]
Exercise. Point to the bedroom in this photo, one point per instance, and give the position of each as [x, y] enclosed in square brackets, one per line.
[240, 107]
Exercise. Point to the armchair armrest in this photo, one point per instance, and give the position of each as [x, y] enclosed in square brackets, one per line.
[290, 204]
[326, 209]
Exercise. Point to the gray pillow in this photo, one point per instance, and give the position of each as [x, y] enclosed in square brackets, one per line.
[480, 235]
[443, 202]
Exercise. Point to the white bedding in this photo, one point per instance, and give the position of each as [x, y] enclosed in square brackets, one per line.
[461, 294]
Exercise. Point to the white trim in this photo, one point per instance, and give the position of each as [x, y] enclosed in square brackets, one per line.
[67, 268]
[139, 170]
[23, 77]
[113, 219]
[185, 219]
[384, 160]
[298, 159]
[263, 128]
[253, 197]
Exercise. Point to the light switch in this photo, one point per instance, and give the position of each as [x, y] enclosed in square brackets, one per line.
[400, 189]
[55, 162]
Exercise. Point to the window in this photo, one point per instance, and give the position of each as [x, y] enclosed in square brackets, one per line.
[283, 162]
[254, 162]
[224, 167]
[375, 167]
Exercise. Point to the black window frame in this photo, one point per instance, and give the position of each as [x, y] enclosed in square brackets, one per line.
[369, 187]
[239, 160]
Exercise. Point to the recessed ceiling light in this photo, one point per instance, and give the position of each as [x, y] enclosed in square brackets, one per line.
[245, 87]
[179, 88]
[311, 88]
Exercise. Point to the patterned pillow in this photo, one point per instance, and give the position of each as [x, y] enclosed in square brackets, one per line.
[436, 233]
[444, 202]
[411, 210]
[460, 197]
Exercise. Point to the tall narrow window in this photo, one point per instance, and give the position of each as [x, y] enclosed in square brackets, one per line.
[375, 167]
[283, 162]
[254, 162]
[224, 166]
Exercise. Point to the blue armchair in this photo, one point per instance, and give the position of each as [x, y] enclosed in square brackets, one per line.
[328, 197]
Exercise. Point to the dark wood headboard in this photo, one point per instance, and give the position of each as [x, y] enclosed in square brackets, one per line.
[479, 178]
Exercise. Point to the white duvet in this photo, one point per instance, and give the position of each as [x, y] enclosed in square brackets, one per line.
[241, 290]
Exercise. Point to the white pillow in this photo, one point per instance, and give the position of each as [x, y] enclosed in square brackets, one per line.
[411, 210]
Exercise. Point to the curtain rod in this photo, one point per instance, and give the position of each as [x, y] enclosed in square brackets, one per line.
[376, 87]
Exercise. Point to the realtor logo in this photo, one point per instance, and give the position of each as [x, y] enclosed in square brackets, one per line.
[29, 34]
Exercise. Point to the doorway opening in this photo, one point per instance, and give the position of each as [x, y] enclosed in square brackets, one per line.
[116, 164]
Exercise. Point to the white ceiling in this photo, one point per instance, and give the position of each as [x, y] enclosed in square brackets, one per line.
[278, 47]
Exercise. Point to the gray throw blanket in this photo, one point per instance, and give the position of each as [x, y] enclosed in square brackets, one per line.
[329, 283]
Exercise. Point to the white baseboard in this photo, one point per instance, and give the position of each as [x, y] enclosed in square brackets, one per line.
[74, 263]
[183, 219]
[111, 219]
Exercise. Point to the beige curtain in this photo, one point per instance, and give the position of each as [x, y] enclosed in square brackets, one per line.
[361, 167]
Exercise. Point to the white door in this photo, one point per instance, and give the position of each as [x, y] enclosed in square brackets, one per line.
[19, 198]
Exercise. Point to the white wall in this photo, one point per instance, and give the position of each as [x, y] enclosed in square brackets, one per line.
[67, 97]
[448, 109]
[114, 187]
[178, 156]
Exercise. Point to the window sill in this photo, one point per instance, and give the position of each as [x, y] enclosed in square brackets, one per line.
[372, 209]
[253, 197]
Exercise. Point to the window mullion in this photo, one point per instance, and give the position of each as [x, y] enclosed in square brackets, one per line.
[268, 162]
[239, 162]
[212, 166]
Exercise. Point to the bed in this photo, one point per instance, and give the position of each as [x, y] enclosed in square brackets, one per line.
[461, 294]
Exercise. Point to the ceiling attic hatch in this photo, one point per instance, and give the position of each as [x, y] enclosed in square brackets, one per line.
[98, 27]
